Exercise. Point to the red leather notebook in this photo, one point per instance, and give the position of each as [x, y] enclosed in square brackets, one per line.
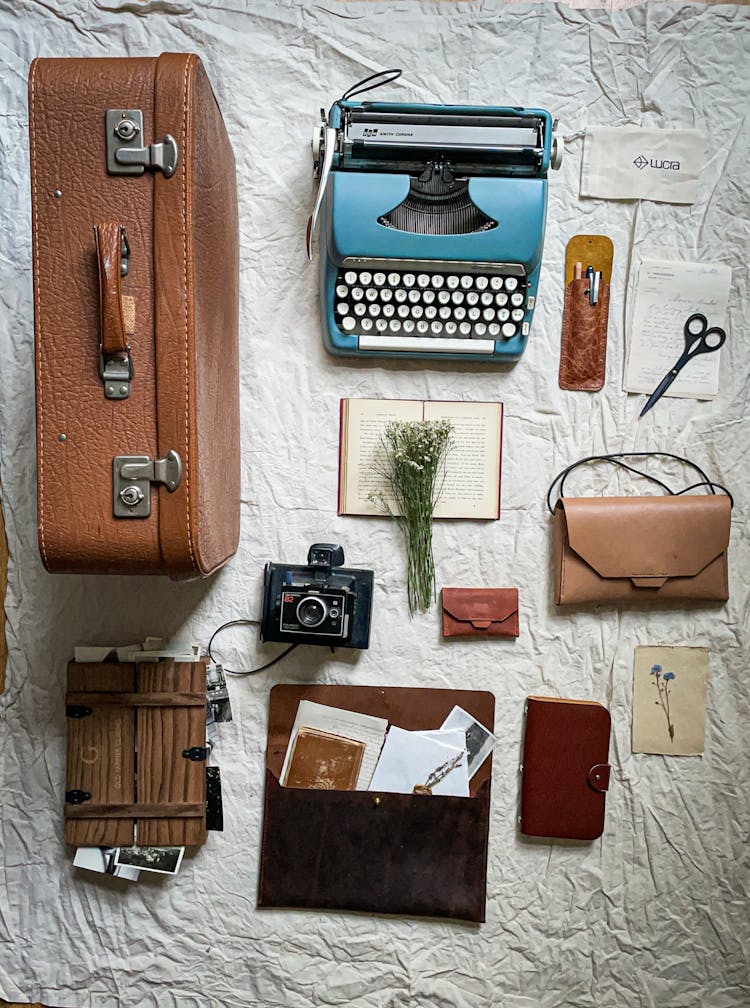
[565, 771]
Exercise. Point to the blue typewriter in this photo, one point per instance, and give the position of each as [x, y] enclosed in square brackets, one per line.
[431, 228]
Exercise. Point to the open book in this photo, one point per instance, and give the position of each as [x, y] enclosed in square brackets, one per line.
[472, 477]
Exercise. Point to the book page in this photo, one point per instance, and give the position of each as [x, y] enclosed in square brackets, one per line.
[472, 473]
[666, 295]
[363, 426]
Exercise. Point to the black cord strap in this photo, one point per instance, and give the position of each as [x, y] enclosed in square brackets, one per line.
[244, 622]
[615, 460]
[370, 83]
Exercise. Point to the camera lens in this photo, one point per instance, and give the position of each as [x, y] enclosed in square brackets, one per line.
[311, 611]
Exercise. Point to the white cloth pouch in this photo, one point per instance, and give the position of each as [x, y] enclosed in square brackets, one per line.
[627, 162]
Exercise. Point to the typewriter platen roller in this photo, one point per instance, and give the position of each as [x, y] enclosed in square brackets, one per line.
[432, 227]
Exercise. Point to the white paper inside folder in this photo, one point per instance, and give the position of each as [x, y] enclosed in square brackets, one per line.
[631, 162]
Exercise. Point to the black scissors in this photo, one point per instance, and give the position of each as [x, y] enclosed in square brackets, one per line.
[699, 339]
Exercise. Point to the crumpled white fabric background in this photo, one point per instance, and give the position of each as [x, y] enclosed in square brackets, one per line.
[653, 914]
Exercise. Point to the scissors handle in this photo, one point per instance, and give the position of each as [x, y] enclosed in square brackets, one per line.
[697, 335]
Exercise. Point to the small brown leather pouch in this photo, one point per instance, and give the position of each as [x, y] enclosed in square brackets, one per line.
[480, 612]
[583, 347]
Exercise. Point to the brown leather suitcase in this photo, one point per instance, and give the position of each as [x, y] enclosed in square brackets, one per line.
[134, 215]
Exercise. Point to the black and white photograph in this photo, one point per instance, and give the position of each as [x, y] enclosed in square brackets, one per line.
[163, 860]
[479, 741]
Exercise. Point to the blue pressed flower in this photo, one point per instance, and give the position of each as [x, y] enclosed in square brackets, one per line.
[655, 669]
[668, 676]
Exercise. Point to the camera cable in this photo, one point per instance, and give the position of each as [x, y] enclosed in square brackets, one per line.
[247, 672]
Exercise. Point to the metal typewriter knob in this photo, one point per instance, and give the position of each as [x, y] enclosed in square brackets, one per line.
[558, 149]
[318, 143]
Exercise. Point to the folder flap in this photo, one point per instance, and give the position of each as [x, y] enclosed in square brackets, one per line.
[408, 707]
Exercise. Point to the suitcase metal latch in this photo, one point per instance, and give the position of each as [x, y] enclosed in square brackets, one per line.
[132, 476]
[126, 154]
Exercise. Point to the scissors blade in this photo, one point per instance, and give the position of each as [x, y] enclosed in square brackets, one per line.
[659, 391]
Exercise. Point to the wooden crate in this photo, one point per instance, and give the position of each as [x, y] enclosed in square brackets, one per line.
[136, 754]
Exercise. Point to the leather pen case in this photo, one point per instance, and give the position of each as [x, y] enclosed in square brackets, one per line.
[480, 612]
[583, 347]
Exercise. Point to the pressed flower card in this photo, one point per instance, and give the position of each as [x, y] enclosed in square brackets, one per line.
[669, 700]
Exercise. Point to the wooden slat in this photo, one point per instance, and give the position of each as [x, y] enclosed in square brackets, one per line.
[182, 810]
[101, 755]
[136, 699]
[164, 775]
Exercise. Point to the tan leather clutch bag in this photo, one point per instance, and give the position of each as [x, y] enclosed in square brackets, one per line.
[641, 549]
[480, 612]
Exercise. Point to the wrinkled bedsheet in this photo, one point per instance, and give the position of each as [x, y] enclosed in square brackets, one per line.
[653, 914]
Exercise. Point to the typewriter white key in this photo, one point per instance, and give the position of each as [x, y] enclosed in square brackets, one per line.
[472, 298]
[378, 279]
[437, 281]
[481, 283]
[386, 294]
[451, 328]
[493, 329]
[480, 329]
[430, 312]
[381, 324]
[389, 310]
[503, 315]
[466, 281]
[400, 295]
[341, 290]
[509, 329]
[367, 324]
[414, 297]
[496, 283]
[423, 280]
[365, 278]
[487, 298]
[371, 294]
[436, 328]
[408, 326]
[517, 314]
[394, 279]
[465, 329]
[394, 326]
[360, 309]
[459, 313]
[444, 297]
[342, 308]
[488, 314]
[445, 313]
[501, 300]
[417, 311]
[517, 299]
[402, 311]
[511, 283]
[458, 297]
[374, 310]
[452, 281]
[357, 293]
[428, 297]
[408, 279]
[350, 277]
[422, 326]
[474, 314]
[348, 323]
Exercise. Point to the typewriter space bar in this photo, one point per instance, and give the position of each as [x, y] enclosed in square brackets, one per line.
[427, 344]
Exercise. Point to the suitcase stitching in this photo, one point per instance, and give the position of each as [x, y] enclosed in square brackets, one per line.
[37, 281]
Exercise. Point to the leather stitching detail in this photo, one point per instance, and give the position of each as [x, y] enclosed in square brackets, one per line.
[38, 319]
[187, 311]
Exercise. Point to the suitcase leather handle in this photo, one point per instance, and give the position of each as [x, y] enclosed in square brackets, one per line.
[112, 327]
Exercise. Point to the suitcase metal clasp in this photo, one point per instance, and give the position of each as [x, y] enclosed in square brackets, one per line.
[132, 476]
[126, 154]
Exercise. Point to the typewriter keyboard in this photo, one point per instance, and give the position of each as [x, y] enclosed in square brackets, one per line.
[461, 307]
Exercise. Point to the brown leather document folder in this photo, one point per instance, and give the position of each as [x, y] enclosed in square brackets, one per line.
[565, 770]
[419, 855]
